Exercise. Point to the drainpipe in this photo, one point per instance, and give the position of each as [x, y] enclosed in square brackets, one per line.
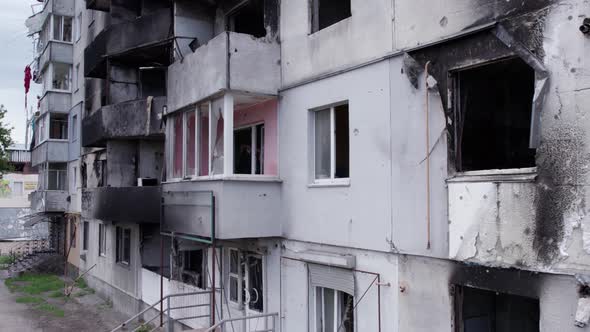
[427, 156]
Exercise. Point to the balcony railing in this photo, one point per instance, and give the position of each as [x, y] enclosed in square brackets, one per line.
[56, 51]
[49, 201]
[127, 120]
[224, 209]
[130, 204]
[54, 151]
[55, 102]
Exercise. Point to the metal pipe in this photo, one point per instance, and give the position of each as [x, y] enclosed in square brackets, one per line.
[161, 266]
[213, 259]
[427, 156]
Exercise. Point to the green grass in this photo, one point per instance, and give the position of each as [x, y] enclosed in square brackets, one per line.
[81, 283]
[29, 299]
[34, 284]
[143, 328]
[51, 309]
[6, 259]
[57, 294]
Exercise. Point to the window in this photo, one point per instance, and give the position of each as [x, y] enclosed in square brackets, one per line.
[86, 231]
[58, 126]
[17, 189]
[178, 146]
[57, 176]
[248, 19]
[328, 12]
[61, 76]
[101, 166]
[194, 267]
[191, 141]
[331, 143]
[123, 252]
[79, 27]
[74, 127]
[62, 28]
[481, 310]
[333, 310]
[102, 239]
[76, 77]
[246, 285]
[249, 150]
[72, 233]
[493, 106]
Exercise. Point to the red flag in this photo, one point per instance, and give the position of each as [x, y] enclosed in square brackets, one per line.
[28, 78]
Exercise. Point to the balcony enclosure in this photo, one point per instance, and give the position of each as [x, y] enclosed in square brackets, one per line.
[231, 136]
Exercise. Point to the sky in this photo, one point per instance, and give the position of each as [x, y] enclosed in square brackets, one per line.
[17, 52]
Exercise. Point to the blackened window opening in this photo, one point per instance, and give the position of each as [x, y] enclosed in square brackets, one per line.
[341, 137]
[193, 268]
[248, 19]
[493, 109]
[486, 311]
[328, 12]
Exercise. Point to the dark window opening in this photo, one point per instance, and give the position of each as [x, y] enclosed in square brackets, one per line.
[72, 233]
[249, 150]
[342, 141]
[123, 244]
[328, 12]
[85, 231]
[255, 283]
[248, 19]
[479, 310]
[193, 268]
[152, 82]
[493, 116]
[58, 126]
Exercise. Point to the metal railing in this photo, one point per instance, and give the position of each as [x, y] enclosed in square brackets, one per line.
[273, 318]
[185, 314]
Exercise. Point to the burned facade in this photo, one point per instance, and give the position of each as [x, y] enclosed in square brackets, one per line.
[331, 165]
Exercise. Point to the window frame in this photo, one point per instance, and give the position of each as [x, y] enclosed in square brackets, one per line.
[102, 240]
[73, 237]
[52, 76]
[314, 20]
[62, 20]
[337, 308]
[332, 180]
[85, 235]
[253, 145]
[60, 173]
[74, 127]
[121, 247]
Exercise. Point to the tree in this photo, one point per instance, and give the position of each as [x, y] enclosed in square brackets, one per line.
[5, 142]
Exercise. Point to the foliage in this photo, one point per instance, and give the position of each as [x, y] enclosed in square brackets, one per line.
[34, 284]
[51, 309]
[6, 259]
[29, 299]
[5, 142]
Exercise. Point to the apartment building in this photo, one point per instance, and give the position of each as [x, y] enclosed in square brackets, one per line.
[330, 165]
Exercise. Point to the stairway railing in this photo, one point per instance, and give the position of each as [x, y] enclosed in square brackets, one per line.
[169, 307]
[273, 317]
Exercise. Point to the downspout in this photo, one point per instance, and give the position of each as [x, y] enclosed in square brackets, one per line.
[427, 156]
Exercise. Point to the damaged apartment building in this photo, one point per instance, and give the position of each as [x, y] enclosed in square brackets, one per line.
[322, 165]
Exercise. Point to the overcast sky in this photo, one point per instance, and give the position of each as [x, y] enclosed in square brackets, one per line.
[16, 53]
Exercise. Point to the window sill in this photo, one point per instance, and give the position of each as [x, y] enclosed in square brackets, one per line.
[528, 174]
[235, 177]
[330, 183]
[102, 255]
[124, 265]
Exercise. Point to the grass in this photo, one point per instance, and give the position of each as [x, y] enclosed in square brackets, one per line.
[34, 284]
[4, 259]
[143, 328]
[29, 299]
[81, 283]
[57, 294]
[50, 309]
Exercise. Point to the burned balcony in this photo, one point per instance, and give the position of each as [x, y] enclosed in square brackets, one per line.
[234, 208]
[129, 204]
[52, 150]
[56, 51]
[101, 5]
[49, 201]
[144, 41]
[230, 61]
[126, 120]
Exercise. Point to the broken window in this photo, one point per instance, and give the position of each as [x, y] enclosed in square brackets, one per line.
[191, 140]
[331, 143]
[152, 82]
[61, 76]
[100, 169]
[216, 128]
[62, 28]
[333, 310]
[248, 18]
[177, 145]
[86, 231]
[194, 267]
[57, 176]
[58, 126]
[246, 285]
[478, 310]
[123, 245]
[328, 12]
[203, 137]
[249, 150]
[493, 106]
[102, 239]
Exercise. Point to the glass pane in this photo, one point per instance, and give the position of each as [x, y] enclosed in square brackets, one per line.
[322, 144]
[127, 245]
[319, 316]
[243, 151]
[329, 310]
[204, 139]
[233, 262]
[67, 29]
[217, 136]
[62, 175]
[260, 149]
[57, 20]
[256, 284]
[233, 289]
[341, 141]
[345, 312]
[61, 76]
[190, 143]
[177, 147]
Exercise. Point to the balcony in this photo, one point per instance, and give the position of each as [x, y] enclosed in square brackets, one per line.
[43, 201]
[56, 51]
[101, 5]
[54, 151]
[243, 208]
[208, 70]
[57, 7]
[492, 217]
[127, 120]
[144, 40]
[55, 102]
[129, 204]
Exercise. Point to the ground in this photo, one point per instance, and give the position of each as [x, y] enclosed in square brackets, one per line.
[36, 302]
